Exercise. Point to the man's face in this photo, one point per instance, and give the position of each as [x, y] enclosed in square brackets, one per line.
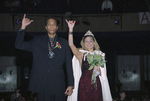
[123, 95]
[51, 26]
[17, 90]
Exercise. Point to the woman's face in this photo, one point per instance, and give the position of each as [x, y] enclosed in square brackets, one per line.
[89, 43]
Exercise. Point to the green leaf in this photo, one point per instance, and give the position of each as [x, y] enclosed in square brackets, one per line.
[90, 58]
[92, 81]
[91, 67]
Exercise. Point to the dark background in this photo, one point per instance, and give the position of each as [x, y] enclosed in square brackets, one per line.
[74, 6]
[112, 43]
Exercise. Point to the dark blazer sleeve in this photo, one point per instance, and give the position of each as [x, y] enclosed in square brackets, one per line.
[68, 63]
[21, 44]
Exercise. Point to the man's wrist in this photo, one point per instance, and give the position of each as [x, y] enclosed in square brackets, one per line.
[71, 86]
[23, 27]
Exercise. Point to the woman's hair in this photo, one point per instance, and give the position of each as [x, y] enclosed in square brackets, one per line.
[96, 46]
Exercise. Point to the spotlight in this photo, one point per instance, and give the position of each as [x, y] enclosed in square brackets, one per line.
[116, 21]
[18, 21]
[77, 23]
[85, 21]
[57, 22]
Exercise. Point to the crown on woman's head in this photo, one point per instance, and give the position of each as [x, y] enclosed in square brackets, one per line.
[88, 33]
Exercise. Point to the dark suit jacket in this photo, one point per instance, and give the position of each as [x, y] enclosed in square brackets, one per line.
[47, 72]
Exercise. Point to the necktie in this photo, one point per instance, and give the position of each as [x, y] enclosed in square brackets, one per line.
[51, 45]
[51, 41]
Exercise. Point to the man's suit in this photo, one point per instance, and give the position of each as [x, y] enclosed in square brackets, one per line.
[47, 72]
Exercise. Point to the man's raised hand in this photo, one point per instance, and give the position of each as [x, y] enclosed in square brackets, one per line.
[25, 22]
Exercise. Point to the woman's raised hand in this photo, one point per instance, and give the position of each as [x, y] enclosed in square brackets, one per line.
[70, 25]
[25, 22]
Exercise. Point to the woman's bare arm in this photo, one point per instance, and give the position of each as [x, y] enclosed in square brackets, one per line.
[76, 52]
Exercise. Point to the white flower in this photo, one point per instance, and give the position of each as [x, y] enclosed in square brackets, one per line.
[103, 54]
[96, 52]
[100, 52]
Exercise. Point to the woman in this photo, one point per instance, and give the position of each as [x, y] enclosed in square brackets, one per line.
[86, 88]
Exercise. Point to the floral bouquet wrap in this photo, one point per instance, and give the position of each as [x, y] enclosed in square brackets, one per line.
[95, 59]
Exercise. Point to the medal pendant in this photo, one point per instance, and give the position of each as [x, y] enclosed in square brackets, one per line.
[51, 55]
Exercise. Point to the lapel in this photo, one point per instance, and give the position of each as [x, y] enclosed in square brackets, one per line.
[44, 42]
[57, 39]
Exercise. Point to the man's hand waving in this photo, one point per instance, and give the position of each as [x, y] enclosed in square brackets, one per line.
[25, 22]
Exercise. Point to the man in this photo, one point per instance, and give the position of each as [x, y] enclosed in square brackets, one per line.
[118, 88]
[50, 52]
[122, 96]
[16, 96]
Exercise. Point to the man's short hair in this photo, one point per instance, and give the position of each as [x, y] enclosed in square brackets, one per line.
[122, 93]
[48, 19]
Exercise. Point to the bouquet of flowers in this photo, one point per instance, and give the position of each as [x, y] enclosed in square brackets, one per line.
[96, 59]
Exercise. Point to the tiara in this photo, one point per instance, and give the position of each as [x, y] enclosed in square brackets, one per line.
[88, 33]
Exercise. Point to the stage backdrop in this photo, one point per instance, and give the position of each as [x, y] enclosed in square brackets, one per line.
[129, 72]
[8, 73]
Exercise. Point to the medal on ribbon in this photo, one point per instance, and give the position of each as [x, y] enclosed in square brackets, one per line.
[51, 54]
